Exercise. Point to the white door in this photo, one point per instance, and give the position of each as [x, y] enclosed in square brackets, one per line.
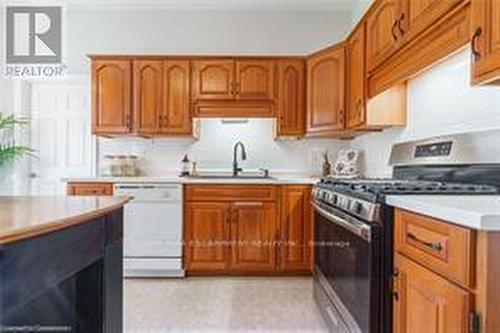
[60, 135]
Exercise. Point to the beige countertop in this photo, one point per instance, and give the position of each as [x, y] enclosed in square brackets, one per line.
[277, 179]
[26, 217]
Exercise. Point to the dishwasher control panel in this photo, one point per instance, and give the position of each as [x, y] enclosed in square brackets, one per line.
[162, 192]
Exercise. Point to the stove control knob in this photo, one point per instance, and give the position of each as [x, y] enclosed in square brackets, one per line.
[333, 199]
[357, 207]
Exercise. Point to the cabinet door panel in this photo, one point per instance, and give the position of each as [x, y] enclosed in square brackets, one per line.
[206, 236]
[486, 41]
[291, 101]
[426, 302]
[296, 228]
[417, 15]
[255, 79]
[111, 96]
[147, 95]
[325, 95]
[356, 79]
[254, 232]
[382, 34]
[213, 79]
[176, 115]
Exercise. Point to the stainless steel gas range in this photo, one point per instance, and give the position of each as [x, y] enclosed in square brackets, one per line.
[353, 250]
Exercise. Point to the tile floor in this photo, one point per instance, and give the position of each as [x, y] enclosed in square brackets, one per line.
[221, 304]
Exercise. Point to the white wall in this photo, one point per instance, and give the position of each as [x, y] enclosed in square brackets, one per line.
[359, 9]
[441, 101]
[214, 150]
[195, 32]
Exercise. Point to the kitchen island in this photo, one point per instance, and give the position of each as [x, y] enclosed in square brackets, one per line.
[61, 263]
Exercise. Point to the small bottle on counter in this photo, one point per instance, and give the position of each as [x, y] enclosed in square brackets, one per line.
[185, 166]
[194, 169]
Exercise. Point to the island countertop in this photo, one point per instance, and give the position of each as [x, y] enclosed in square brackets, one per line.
[23, 217]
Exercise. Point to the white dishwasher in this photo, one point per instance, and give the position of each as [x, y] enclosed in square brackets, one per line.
[152, 229]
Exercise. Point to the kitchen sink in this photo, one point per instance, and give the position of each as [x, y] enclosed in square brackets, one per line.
[231, 176]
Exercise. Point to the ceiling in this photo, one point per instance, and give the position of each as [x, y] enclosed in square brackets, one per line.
[261, 5]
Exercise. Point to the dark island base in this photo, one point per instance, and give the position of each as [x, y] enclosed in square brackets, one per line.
[66, 281]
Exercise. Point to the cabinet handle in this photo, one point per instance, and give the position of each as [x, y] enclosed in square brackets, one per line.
[394, 35]
[248, 204]
[475, 52]
[400, 21]
[238, 88]
[394, 276]
[438, 247]
[127, 120]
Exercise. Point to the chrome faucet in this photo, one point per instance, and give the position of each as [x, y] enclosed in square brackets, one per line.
[236, 168]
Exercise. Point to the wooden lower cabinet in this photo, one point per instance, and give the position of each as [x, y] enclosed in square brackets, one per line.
[89, 189]
[206, 234]
[253, 236]
[295, 251]
[426, 302]
[230, 237]
[247, 229]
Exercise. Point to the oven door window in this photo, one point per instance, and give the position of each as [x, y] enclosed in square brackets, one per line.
[345, 259]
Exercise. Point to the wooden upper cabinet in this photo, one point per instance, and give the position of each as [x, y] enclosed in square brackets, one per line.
[291, 106]
[325, 92]
[255, 79]
[206, 236]
[356, 78]
[254, 235]
[426, 302]
[485, 41]
[176, 112]
[111, 97]
[382, 32]
[213, 79]
[147, 96]
[295, 228]
[417, 15]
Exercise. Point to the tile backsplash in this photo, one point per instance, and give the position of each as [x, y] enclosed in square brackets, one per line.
[214, 149]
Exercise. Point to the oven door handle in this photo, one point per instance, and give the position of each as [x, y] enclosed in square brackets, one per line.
[359, 228]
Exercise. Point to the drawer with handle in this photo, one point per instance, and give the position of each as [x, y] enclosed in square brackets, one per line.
[231, 193]
[88, 189]
[442, 247]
